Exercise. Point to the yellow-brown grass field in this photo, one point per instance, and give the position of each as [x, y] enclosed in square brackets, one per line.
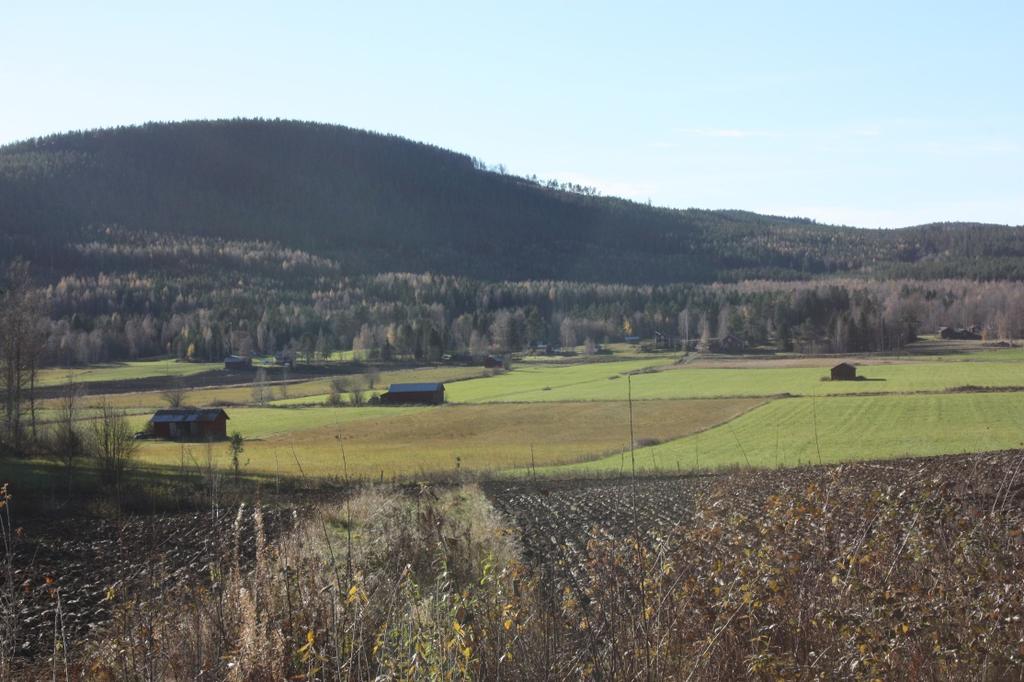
[409, 441]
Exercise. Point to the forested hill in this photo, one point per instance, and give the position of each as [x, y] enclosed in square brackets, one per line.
[373, 203]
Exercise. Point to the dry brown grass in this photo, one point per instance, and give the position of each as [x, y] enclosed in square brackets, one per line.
[10, 598]
[904, 571]
[472, 437]
[907, 571]
[395, 585]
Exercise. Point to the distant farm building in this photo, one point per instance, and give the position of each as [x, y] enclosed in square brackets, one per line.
[236, 362]
[844, 371]
[460, 358]
[414, 394]
[666, 341]
[730, 343]
[494, 362]
[961, 334]
[190, 424]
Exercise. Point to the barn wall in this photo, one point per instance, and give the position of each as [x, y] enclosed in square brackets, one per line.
[844, 373]
[424, 398]
[192, 430]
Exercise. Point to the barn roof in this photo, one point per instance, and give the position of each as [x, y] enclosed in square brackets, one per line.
[844, 364]
[187, 415]
[414, 388]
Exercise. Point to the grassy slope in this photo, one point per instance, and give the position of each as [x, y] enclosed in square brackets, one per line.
[527, 383]
[848, 428]
[414, 440]
[267, 422]
[316, 392]
[123, 371]
[594, 382]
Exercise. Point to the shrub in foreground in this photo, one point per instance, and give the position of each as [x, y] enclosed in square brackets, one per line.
[911, 570]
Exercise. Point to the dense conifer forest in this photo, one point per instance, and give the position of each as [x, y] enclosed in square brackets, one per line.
[204, 238]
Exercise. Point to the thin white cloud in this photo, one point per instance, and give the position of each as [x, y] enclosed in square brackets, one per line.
[971, 147]
[867, 131]
[735, 133]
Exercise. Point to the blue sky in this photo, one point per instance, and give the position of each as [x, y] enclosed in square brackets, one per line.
[868, 114]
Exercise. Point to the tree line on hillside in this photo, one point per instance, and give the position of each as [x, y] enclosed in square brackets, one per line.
[278, 301]
[195, 317]
[374, 203]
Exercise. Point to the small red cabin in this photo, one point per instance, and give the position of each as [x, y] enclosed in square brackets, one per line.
[190, 424]
[844, 371]
[413, 394]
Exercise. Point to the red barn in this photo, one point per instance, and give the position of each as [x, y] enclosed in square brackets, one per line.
[844, 371]
[414, 394]
[190, 423]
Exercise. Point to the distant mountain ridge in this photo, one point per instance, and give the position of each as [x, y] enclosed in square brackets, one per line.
[378, 203]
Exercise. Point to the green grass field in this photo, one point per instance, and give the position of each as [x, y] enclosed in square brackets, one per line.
[123, 371]
[316, 392]
[1015, 354]
[608, 382]
[573, 414]
[256, 423]
[782, 432]
[529, 383]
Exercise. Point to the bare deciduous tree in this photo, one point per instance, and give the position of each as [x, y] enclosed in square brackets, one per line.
[112, 443]
[354, 386]
[21, 342]
[339, 385]
[261, 393]
[567, 333]
[285, 376]
[68, 443]
[478, 344]
[175, 394]
[373, 376]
